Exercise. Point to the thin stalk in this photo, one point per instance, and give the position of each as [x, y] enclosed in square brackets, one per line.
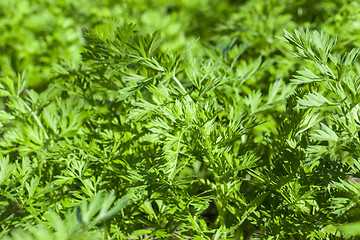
[182, 88]
[37, 120]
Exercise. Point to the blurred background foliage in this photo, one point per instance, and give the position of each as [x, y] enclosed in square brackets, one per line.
[38, 34]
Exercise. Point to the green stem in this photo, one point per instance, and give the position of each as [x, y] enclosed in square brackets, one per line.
[182, 87]
[37, 120]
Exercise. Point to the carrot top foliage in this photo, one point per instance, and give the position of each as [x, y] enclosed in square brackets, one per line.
[188, 120]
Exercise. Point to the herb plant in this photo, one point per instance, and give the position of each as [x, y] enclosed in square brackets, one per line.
[209, 138]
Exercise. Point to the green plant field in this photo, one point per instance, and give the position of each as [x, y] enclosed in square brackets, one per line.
[152, 119]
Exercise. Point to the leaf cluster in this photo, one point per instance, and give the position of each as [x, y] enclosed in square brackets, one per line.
[165, 135]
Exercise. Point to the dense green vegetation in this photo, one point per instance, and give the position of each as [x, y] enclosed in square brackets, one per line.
[179, 119]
